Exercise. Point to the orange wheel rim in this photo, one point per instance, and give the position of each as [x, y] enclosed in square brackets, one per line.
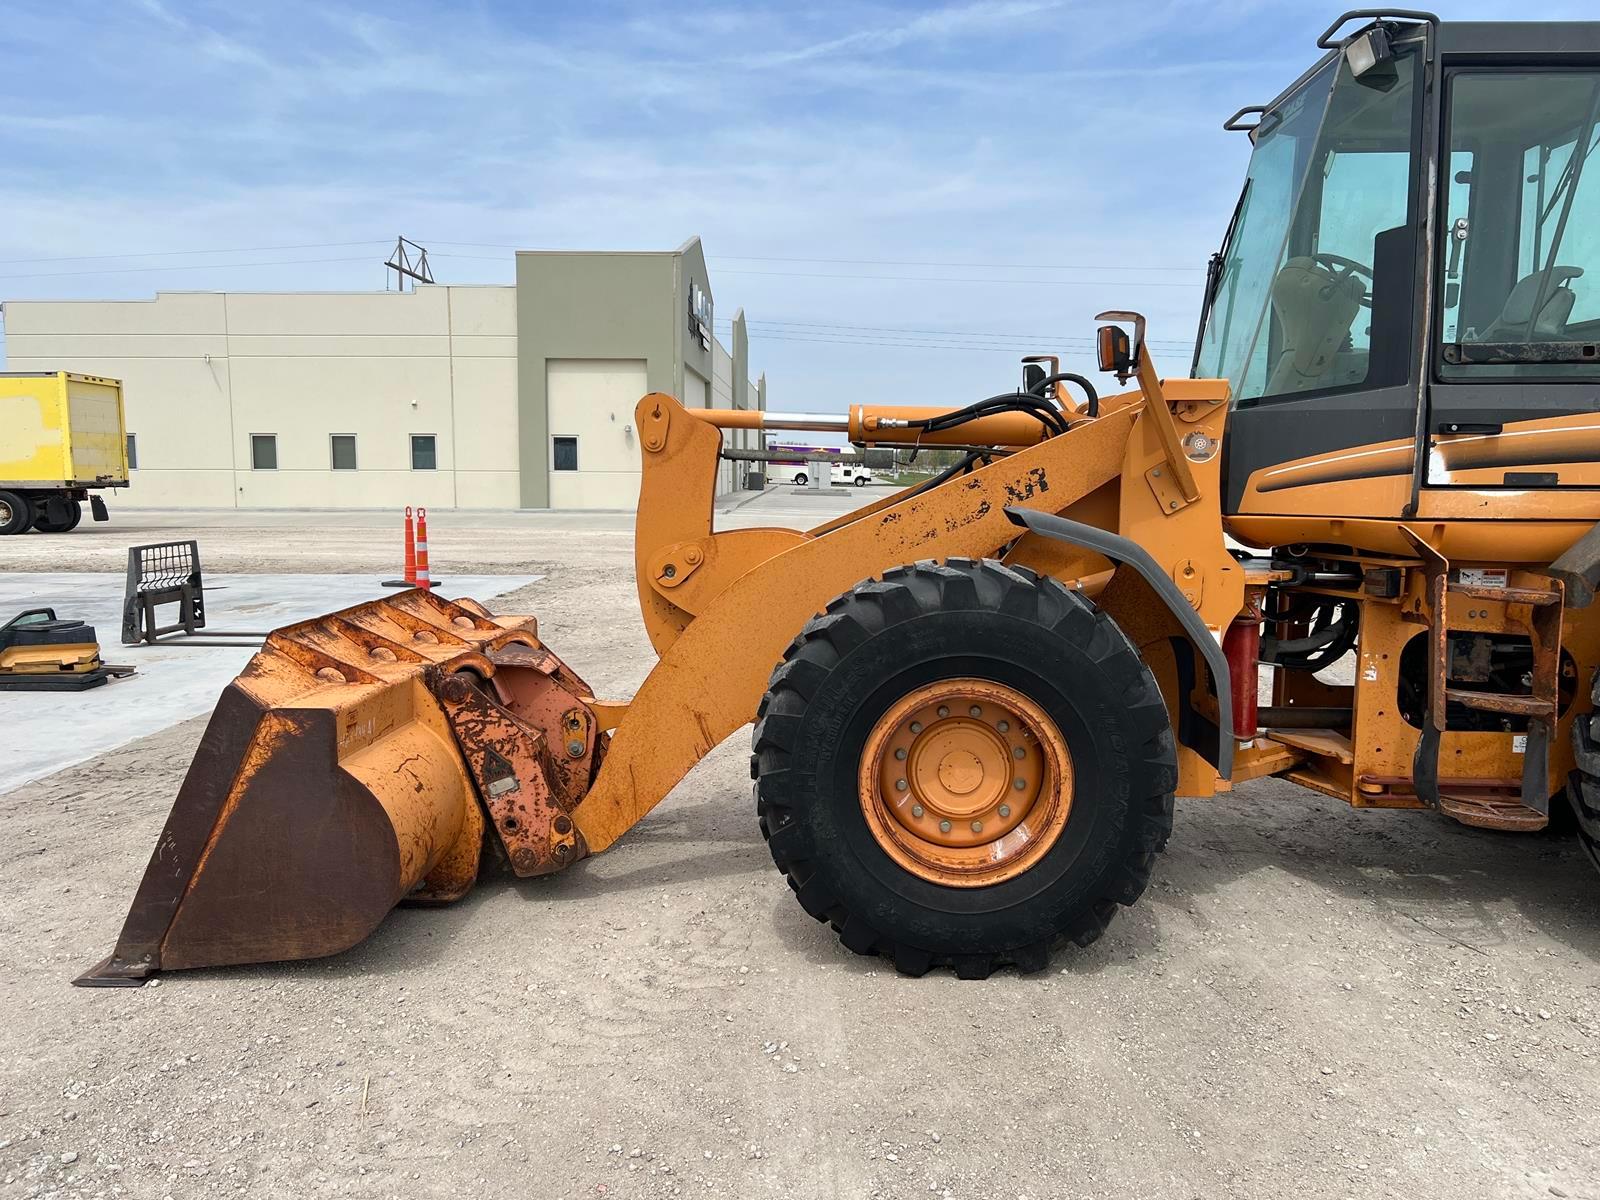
[966, 782]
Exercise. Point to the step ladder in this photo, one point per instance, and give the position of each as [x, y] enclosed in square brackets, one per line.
[1534, 611]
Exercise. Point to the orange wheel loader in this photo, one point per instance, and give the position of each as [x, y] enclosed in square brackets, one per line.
[1374, 498]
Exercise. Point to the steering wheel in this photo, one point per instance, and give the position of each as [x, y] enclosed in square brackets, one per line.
[1343, 268]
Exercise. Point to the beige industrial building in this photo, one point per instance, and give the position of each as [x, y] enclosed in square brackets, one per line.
[474, 397]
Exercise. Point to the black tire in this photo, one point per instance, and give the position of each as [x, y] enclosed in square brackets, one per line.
[800, 479]
[74, 514]
[1583, 790]
[861, 481]
[16, 513]
[928, 622]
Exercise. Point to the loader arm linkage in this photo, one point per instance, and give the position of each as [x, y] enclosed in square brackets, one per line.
[367, 757]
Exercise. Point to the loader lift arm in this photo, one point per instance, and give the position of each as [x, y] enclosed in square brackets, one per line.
[511, 742]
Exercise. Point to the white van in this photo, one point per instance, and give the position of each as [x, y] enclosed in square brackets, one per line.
[838, 473]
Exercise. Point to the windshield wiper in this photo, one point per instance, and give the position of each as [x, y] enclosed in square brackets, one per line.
[1214, 272]
[1571, 177]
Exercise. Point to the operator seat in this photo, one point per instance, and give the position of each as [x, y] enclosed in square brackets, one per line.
[1315, 308]
[1516, 322]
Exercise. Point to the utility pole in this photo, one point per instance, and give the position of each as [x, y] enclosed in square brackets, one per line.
[408, 261]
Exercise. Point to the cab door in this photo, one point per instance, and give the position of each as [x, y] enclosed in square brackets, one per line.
[1514, 401]
[1313, 321]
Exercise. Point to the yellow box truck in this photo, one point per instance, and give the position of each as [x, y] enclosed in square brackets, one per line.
[61, 434]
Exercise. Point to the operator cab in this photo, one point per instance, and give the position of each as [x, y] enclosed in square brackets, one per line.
[1419, 230]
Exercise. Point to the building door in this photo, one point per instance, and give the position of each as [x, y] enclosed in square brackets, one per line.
[593, 455]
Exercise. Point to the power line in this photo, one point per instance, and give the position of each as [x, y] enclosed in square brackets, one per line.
[1119, 283]
[867, 262]
[876, 262]
[20, 262]
[718, 258]
[910, 262]
[1142, 283]
[759, 335]
[282, 262]
[965, 333]
[1019, 346]
[1105, 283]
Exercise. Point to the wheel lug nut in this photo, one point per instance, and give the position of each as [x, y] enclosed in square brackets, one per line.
[916, 727]
[1003, 726]
[899, 785]
[1019, 752]
[1005, 810]
[900, 753]
[944, 826]
[1020, 784]
[977, 827]
[944, 710]
[916, 810]
[975, 711]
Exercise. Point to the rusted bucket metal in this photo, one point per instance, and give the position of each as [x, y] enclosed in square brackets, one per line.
[332, 782]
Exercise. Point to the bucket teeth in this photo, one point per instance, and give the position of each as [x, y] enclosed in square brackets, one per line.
[332, 783]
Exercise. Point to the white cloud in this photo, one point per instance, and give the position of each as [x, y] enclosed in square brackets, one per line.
[999, 132]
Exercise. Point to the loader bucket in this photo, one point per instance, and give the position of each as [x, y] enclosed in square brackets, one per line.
[351, 766]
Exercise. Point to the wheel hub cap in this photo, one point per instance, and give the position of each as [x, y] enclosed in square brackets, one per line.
[966, 782]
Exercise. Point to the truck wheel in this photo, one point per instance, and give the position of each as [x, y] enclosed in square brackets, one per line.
[962, 765]
[800, 479]
[861, 481]
[1583, 791]
[74, 514]
[16, 514]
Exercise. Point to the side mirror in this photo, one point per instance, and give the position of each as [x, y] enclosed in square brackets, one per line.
[1038, 367]
[1116, 351]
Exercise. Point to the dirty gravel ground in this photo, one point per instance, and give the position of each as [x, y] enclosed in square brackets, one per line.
[1309, 1001]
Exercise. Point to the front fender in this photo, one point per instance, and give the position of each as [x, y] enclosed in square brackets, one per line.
[1129, 553]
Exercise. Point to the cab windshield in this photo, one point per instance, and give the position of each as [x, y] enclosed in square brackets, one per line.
[1322, 239]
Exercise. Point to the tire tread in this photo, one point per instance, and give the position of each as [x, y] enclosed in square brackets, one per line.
[958, 584]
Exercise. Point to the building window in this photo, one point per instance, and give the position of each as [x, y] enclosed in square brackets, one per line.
[424, 455]
[263, 452]
[566, 453]
[133, 453]
[342, 451]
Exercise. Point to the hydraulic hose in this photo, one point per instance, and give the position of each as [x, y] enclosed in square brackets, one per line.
[1043, 411]
[1092, 396]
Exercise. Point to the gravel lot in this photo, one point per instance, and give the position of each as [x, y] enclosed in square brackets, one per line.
[1309, 1001]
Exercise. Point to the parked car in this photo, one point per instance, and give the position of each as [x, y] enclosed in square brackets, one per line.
[838, 473]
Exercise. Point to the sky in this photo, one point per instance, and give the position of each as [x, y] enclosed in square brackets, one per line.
[903, 198]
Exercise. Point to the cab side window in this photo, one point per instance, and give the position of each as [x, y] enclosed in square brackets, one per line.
[1520, 245]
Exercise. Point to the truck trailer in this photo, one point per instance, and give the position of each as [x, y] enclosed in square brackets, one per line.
[61, 435]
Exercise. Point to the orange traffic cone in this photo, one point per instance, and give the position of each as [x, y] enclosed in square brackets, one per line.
[411, 549]
[410, 579]
[421, 573]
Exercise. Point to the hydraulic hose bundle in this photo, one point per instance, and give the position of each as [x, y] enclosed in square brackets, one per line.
[1031, 402]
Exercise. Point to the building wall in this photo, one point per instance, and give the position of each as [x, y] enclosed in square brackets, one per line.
[202, 372]
[593, 400]
[592, 307]
[493, 374]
